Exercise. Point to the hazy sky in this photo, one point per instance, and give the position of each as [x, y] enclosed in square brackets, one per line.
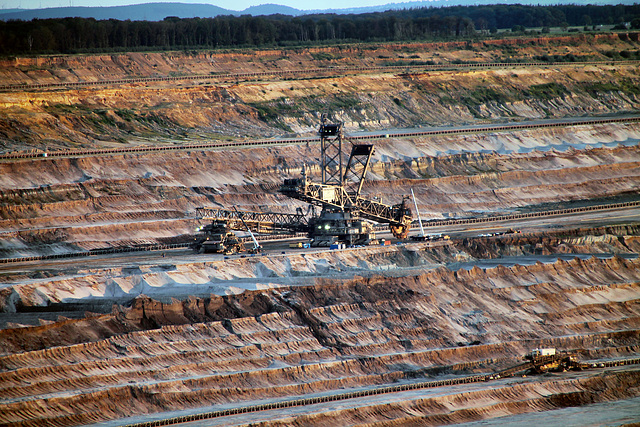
[227, 4]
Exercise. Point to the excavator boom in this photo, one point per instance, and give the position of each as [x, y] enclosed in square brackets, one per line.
[357, 168]
[262, 222]
[340, 191]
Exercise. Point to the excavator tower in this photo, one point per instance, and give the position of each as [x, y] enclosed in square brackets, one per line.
[344, 212]
[345, 215]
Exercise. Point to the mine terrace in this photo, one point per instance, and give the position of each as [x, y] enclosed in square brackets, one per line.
[415, 233]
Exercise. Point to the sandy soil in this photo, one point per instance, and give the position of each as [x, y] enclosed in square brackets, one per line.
[100, 340]
[298, 340]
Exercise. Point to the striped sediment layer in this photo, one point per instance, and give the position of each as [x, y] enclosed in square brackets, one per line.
[337, 335]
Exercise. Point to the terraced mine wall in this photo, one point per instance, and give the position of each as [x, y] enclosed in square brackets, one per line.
[182, 277]
[176, 98]
[296, 341]
[132, 200]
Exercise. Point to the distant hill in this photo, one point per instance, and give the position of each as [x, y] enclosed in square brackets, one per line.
[159, 11]
[138, 12]
[271, 9]
[11, 10]
[145, 12]
[450, 3]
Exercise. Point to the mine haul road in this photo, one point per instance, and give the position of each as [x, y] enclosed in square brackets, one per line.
[308, 73]
[280, 248]
[364, 136]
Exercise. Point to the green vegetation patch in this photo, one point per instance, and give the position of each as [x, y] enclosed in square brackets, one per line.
[623, 55]
[324, 56]
[547, 91]
[405, 63]
[156, 119]
[271, 111]
[625, 86]
[485, 95]
[99, 115]
[630, 86]
[447, 100]
[267, 112]
[102, 117]
[343, 102]
[65, 109]
[126, 114]
[569, 57]
[601, 87]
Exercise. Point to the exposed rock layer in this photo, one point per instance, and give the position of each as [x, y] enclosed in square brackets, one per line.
[299, 340]
[174, 112]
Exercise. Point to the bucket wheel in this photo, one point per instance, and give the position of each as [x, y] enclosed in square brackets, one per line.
[399, 231]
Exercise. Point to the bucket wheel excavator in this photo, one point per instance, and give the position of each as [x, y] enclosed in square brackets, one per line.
[345, 216]
[344, 212]
[218, 236]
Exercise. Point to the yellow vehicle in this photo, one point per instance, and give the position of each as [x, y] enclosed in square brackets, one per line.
[217, 238]
[299, 245]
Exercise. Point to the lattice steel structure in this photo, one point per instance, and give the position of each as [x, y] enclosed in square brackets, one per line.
[261, 222]
[340, 188]
[356, 169]
[331, 152]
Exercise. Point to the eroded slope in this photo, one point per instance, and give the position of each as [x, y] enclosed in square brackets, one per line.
[288, 342]
[172, 112]
[103, 201]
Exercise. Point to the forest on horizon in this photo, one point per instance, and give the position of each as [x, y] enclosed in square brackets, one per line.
[87, 35]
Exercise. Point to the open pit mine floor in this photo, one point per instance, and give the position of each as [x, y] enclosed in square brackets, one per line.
[127, 339]
[339, 327]
[115, 340]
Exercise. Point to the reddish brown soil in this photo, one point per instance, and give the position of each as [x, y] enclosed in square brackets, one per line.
[318, 334]
[289, 342]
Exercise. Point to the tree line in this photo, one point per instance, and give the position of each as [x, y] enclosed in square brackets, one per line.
[76, 35]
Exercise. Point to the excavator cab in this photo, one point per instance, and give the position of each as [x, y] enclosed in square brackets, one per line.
[403, 217]
[345, 212]
[329, 129]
